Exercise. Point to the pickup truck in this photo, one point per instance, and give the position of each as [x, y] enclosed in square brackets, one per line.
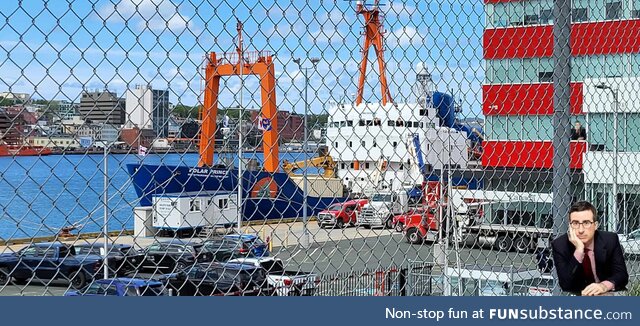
[48, 261]
[286, 283]
[341, 214]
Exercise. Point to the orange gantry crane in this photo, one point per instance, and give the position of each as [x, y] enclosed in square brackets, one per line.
[239, 63]
[373, 33]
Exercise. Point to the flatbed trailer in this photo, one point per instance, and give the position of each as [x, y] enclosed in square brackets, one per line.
[503, 232]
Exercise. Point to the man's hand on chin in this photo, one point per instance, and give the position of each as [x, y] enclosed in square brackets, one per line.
[595, 289]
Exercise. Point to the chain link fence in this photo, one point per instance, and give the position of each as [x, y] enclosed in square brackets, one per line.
[198, 147]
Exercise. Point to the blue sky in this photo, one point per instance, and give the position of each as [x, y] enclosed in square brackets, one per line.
[53, 48]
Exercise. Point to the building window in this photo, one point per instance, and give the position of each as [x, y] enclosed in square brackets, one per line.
[546, 16]
[375, 144]
[424, 112]
[350, 144]
[545, 70]
[579, 15]
[391, 123]
[395, 144]
[352, 165]
[613, 10]
[363, 143]
[194, 205]
[223, 203]
[336, 145]
[349, 123]
[361, 123]
[531, 19]
[366, 165]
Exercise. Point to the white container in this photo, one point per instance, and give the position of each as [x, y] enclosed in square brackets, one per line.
[189, 210]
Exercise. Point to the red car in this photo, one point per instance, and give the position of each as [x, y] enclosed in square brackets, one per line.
[338, 215]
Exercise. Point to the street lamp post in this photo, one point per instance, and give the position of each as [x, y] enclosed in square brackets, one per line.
[305, 230]
[613, 221]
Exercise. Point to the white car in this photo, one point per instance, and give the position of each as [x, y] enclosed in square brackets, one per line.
[631, 243]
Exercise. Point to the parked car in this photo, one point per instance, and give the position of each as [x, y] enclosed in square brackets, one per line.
[341, 214]
[243, 245]
[173, 255]
[631, 243]
[122, 258]
[48, 261]
[285, 282]
[121, 287]
[413, 216]
[220, 279]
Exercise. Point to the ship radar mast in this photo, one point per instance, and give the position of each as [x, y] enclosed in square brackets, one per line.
[423, 88]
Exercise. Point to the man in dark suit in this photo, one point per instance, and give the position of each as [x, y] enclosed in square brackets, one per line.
[588, 262]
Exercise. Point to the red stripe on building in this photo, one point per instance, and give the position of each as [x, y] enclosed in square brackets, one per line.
[610, 37]
[526, 99]
[499, 1]
[528, 154]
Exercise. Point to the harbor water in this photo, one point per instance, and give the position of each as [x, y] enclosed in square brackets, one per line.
[40, 195]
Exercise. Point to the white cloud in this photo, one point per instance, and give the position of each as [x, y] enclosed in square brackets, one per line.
[400, 9]
[157, 15]
[175, 24]
[405, 36]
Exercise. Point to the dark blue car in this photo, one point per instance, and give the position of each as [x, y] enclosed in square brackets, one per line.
[121, 287]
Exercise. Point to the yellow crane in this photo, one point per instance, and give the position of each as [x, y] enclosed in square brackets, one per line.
[325, 162]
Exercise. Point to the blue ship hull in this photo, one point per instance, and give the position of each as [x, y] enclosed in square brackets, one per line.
[264, 195]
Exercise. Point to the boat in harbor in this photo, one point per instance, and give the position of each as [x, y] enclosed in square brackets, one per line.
[368, 143]
[23, 150]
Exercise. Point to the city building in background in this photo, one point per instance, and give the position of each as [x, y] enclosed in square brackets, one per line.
[15, 97]
[103, 133]
[148, 108]
[67, 110]
[62, 142]
[136, 137]
[102, 107]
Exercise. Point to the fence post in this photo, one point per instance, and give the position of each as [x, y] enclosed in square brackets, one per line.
[561, 122]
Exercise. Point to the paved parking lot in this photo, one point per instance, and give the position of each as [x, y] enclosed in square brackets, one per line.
[334, 251]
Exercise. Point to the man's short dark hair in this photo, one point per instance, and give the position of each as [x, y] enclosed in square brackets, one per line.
[582, 206]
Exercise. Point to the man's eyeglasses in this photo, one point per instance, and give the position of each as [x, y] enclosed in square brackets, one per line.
[586, 224]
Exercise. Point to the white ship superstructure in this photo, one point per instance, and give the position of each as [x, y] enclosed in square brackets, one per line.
[370, 141]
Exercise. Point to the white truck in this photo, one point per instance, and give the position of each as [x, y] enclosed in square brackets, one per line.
[519, 221]
[381, 208]
[286, 283]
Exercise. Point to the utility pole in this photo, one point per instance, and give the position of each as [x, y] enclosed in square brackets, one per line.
[305, 241]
